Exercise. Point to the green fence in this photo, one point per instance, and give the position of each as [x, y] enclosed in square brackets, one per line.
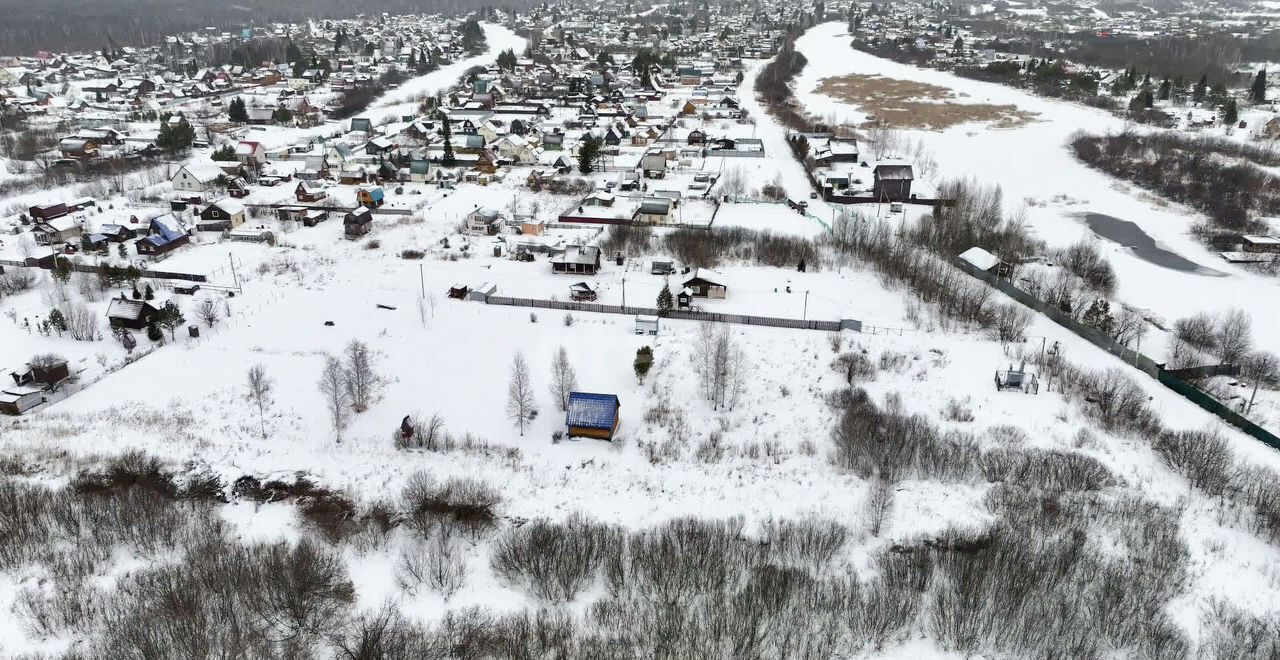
[1138, 360]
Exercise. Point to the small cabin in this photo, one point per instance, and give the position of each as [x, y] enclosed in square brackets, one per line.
[592, 415]
[701, 285]
[370, 196]
[132, 314]
[358, 222]
[1263, 244]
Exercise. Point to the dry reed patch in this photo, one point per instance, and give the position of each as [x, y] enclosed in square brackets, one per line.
[916, 105]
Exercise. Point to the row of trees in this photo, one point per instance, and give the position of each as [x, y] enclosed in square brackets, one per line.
[1232, 193]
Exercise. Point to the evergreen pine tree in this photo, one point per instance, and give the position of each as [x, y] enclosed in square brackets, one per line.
[1198, 92]
[1258, 93]
[665, 301]
[1230, 113]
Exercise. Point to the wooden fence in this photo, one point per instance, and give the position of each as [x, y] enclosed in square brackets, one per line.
[682, 314]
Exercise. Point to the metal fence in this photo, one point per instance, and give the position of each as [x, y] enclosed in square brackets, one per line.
[682, 314]
[1156, 370]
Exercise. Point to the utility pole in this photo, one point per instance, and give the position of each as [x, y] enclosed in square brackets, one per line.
[234, 279]
[422, 282]
[624, 293]
[805, 314]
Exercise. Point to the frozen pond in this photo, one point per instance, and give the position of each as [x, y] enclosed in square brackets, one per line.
[1144, 247]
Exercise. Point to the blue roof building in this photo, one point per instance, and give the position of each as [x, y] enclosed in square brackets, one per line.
[592, 415]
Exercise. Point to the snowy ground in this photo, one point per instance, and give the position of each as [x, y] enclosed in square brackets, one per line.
[186, 400]
[1032, 164]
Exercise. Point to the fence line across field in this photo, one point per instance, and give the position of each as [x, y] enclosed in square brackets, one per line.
[680, 314]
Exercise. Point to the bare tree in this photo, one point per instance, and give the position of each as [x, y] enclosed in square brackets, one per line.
[260, 386]
[732, 184]
[721, 365]
[520, 403]
[82, 323]
[362, 381]
[563, 378]
[879, 504]
[207, 310]
[1234, 336]
[333, 385]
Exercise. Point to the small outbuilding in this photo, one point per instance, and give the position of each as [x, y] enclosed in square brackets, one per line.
[20, 398]
[647, 325]
[592, 415]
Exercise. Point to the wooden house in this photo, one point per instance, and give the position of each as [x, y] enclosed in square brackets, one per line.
[220, 215]
[577, 260]
[358, 222]
[308, 191]
[702, 285]
[370, 196]
[133, 314]
[892, 182]
[484, 221]
[592, 415]
[166, 233]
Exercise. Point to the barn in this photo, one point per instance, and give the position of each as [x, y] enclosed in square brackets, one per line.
[592, 415]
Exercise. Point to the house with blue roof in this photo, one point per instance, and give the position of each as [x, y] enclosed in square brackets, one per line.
[592, 415]
[165, 233]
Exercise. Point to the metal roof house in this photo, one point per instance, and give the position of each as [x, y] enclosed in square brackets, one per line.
[166, 233]
[592, 415]
[577, 260]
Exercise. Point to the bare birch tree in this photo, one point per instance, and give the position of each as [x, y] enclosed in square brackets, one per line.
[520, 403]
[721, 365]
[563, 378]
[362, 380]
[260, 386]
[333, 385]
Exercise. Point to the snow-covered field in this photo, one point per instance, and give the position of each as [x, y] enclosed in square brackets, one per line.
[767, 456]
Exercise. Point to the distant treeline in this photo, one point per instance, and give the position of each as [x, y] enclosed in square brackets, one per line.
[1215, 176]
[85, 25]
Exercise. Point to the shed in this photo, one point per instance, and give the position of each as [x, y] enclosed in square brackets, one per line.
[592, 415]
[986, 262]
[646, 325]
[481, 292]
[19, 399]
